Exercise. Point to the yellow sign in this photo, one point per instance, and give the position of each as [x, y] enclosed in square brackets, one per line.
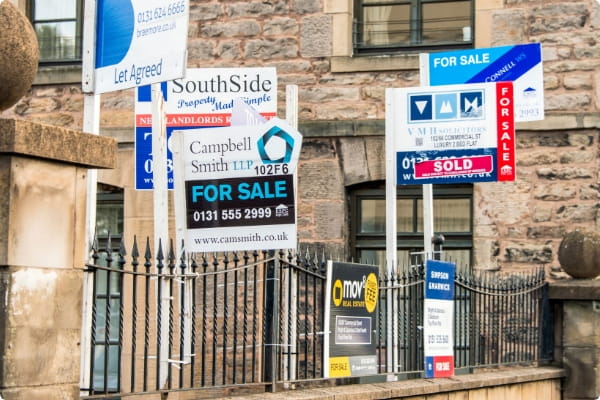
[371, 292]
[339, 367]
[338, 293]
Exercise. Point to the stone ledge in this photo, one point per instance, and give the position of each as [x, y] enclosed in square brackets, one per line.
[26, 138]
[575, 289]
[417, 387]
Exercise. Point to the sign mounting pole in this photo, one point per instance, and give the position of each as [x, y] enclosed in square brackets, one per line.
[428, 230]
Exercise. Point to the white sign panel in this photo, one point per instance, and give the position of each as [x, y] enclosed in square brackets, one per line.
[454, 133]
[238, 185]
[206, 97]
[438, 319]
[139, 42]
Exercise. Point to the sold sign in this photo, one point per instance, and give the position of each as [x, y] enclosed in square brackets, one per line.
[455, 166]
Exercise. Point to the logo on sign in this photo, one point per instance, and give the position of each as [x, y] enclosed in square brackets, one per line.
[471, 104]
[446, 107]
[421, 108]
[276, 146]
[457, 106]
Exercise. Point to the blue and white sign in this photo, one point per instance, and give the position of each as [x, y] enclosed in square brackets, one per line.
[238, 177]
[520, 64]
[206, 97]
[438, 319]
[454, 133]
[139, 42]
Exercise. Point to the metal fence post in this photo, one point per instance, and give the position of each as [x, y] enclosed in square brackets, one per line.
[271, 322]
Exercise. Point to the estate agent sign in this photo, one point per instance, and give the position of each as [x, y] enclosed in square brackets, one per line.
[350, 320]
[238, 185]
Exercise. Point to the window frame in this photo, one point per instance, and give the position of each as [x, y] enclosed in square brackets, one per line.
[78, 19]
[408, 241]
[416, 29]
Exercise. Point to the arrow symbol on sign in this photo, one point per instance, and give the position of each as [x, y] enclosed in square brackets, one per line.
[421, 105]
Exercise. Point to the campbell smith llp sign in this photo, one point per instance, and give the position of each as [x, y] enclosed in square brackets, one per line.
[240, 177]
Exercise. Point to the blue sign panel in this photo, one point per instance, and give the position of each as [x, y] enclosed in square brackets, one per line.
[521, 64]
[439, 281]
[496, 64]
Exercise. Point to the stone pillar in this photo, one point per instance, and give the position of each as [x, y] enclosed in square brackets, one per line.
[43, 174]
[577, 336]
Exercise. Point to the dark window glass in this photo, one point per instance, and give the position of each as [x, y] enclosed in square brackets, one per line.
[452, 218]
[57, 24]
[386, 25]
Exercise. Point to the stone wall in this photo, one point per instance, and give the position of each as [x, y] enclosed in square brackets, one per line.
[341, 98]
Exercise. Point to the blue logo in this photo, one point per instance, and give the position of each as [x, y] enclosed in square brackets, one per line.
[275, 132]
[421, 107]
[471, 104]
[114, 31]
[446, 106]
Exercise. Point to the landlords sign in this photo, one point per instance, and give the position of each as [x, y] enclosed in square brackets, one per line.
[204, 98]
[454, 133]
[237, 177]
[139, 42]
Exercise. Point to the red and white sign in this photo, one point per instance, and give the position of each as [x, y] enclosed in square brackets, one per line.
[454, 166]
[506, 132]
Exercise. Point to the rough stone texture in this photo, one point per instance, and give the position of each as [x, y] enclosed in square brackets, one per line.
[314, 34]
[45, 141]
[341, 98]
[579, 254]
[43, 186]
[18, 54]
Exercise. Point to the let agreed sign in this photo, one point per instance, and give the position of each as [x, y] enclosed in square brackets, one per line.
[139, 42]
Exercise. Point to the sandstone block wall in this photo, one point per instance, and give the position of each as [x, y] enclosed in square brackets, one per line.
[341, 98]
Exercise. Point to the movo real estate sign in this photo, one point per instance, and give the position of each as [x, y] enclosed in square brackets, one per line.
[205, 97]
[139, 42]
[454, 133]
[238, 185]
[351, 320]
[520, 64]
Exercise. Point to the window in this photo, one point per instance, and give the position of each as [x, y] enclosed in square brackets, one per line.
[384, 25]
[108, 291]
[57, 24]
[452, 218]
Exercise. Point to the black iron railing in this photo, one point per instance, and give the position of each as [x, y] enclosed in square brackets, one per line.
[256, 320]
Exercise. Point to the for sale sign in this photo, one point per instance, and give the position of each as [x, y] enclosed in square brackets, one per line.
[520, 64]
[350, 320]
[455, 133]
[238, 186]
[438, 317]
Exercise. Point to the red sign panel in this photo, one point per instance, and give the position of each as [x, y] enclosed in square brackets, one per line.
[454, 166]
[506, 132]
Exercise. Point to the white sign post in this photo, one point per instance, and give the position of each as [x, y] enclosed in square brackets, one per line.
[128, 44]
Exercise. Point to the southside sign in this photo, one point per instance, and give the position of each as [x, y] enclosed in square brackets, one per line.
[205, 98]
[455, 133]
